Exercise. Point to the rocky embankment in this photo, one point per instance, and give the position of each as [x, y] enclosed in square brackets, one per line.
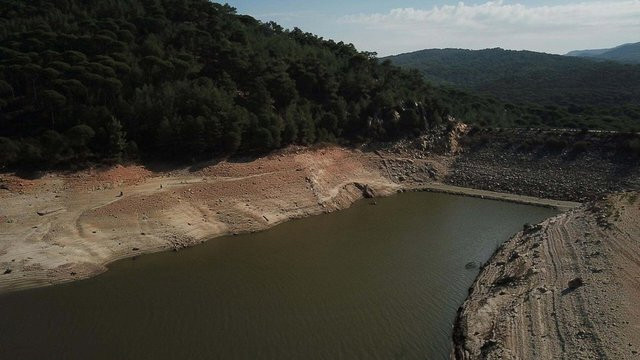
[571, 166]
[558, 165]
[567, 288]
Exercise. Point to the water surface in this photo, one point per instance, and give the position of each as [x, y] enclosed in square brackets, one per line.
[370, 282]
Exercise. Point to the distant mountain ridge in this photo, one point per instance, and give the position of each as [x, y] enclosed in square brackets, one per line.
[627, 53]
[587, 53]
[526, 76]
[592, 92]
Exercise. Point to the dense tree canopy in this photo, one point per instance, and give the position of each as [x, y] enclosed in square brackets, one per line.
[103, 80]
[85, 81]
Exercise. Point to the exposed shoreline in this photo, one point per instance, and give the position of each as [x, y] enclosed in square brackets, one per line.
[64, 228]
[68, 227]
[435, 187]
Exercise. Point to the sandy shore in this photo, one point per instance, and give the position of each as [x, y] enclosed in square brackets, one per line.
[527, 302]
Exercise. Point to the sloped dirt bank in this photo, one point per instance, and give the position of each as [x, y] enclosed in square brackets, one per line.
[565, 289]
[64, 227]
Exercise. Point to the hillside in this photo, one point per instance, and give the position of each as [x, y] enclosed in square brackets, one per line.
[571, 90]
[96, 81]
[627, 53]
[85, 82]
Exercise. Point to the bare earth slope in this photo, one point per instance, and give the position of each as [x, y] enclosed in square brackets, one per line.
[65, 227]
[523, 307]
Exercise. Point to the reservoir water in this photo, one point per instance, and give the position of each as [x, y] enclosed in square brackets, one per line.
[369, 282]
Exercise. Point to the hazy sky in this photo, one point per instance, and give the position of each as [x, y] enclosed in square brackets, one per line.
[396, 26]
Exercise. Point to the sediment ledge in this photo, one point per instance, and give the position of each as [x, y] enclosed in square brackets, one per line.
[567, 288]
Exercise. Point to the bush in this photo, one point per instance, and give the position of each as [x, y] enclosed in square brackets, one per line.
[633, 147]
[8, 152]
[555, 144]
[581, 146]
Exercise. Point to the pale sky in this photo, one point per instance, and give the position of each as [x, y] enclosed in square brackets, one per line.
[396, 26]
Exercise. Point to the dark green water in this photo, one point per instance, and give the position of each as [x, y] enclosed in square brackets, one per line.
[370, 282]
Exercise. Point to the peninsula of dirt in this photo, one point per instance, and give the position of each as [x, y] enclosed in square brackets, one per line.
[567, 288]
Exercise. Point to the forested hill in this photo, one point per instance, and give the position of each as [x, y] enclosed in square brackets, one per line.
[595, 93]
[86, 81]
[102, 80]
